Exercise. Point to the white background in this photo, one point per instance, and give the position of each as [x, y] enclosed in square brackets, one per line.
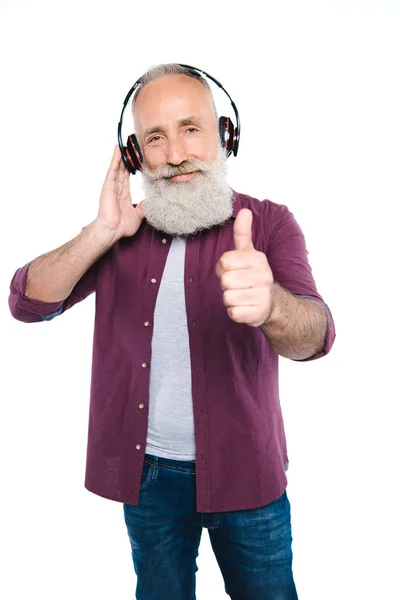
[317, 87]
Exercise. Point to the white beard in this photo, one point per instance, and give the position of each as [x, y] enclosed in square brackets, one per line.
[185, 207]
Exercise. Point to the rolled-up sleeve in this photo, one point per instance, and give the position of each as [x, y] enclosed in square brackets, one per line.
[28, 310]
[330, 331]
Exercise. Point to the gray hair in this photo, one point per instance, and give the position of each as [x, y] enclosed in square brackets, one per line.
[171, 69]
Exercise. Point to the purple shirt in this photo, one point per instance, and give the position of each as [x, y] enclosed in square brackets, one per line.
[241, 451]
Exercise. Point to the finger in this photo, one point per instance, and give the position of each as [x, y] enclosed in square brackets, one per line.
[242, 230]
[242, 314]
[126, 177]
[232, 261]
[139, 209]
[243, 279]
[115, 162]
[248, 297]
[121, 172]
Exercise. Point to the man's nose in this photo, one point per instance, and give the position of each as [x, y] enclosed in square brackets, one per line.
[176, 150]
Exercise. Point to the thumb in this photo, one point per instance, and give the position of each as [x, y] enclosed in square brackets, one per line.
[139, 209]
[242, 230]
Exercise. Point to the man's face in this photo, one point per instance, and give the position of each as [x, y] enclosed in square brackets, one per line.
[184, 164]
[175, 122]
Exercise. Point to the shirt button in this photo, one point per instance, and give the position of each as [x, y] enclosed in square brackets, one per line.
[154, 280]
[138, 446]
[164, 241]
[141, 405]
[146, 323]
[144, 365]
[191, 279]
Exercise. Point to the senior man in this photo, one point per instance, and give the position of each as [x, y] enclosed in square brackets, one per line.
[199, 289]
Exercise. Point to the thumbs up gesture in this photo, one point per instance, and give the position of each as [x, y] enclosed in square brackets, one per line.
[246, 276]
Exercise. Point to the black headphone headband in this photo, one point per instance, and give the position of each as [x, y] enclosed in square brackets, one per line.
[229, 134]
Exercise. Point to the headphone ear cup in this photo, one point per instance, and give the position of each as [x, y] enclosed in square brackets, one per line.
[226, 133]
[133, 155]
[235, 142]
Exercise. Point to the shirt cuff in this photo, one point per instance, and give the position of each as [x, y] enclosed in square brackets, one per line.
[330, 331]
[27, 309]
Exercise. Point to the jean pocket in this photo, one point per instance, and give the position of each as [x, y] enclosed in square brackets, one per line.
[146, 474]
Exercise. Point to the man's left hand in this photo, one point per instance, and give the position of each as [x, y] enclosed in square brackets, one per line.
[246, 276]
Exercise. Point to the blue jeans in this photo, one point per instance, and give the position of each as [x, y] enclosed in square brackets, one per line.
[252, 547]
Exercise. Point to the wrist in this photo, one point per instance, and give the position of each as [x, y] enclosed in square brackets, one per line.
[278, 316]
[104, 235]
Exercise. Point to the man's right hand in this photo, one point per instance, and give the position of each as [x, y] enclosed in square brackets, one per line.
[116, 213]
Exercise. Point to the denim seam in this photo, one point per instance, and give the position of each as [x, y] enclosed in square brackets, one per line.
[176, 469]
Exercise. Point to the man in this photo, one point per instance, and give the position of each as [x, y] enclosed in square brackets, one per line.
[198, 290]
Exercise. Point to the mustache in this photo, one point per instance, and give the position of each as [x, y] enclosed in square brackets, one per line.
[168, 170]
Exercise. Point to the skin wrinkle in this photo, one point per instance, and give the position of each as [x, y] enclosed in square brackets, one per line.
[187, 121]
[163, 70]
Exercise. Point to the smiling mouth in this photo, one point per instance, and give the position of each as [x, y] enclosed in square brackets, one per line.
[183, 177]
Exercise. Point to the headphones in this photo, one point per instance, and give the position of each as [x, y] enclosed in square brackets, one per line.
[229, 134]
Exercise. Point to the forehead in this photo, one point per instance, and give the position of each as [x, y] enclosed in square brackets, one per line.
[171, 97]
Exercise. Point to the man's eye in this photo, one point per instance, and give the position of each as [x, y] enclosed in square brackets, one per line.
[155, 138]
[192, 129]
